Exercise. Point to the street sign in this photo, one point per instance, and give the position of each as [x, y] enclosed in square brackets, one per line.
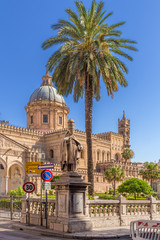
[47, 175]
[30, 170]
[33, 174]
[46, 185]
[46, 166]
[32, 167]
[34, 163]
[28, 187]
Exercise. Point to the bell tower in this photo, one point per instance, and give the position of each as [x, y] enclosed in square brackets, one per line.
[124, 129]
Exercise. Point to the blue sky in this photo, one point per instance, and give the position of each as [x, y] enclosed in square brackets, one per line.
[25, 25]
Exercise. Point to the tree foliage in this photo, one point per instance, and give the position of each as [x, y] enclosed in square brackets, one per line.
[114, 174]
[88, 51]
[134, 186]
[150, 172]
[54, 179]
[127, 154]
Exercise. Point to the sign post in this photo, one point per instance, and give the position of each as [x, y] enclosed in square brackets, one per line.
[28, 187]
[47, 176]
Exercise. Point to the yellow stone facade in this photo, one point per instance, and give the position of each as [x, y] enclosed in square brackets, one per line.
[41, 140]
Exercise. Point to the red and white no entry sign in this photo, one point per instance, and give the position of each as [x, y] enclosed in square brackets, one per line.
[28, 187]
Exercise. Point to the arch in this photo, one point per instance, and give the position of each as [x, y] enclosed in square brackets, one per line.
[108, 156]
[16, 175]
[3, 163]
[16, 162]
[98, 155]
[103, 156]
[117, 156]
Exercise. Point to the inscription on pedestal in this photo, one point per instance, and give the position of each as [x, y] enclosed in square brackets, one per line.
[77, 203]
[62, 203]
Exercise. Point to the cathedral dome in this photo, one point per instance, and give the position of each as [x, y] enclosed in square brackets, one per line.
[46, 109]
[46, 91]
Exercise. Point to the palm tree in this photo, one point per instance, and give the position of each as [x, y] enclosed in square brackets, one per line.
[87, 53]
[150, 172]
[114, 174]
[127, 154]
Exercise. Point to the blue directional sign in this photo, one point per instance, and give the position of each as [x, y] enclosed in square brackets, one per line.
[47, 175]
[46, 166]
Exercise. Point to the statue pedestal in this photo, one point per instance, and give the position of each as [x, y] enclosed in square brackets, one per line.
[71, 210]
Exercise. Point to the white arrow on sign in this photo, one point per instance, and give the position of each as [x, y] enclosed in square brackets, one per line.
[46, 166]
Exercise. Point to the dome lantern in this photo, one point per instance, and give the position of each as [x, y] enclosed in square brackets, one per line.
[47, 80]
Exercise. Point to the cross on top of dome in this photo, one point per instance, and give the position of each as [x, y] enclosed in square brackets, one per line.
[47, 80]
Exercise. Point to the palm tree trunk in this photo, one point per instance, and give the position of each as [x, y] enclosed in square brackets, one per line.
[88, 126]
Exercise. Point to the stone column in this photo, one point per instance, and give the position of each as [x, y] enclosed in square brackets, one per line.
[71, 210]
[153, 209]
[122, 210]
[23, 211]
[6, 188]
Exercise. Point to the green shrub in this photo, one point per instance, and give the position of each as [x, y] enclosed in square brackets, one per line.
[51, 192]
[17, 193]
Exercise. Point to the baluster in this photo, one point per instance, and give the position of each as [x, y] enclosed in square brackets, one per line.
[138, 210]
[31, 207]
[113, 211]
[105, 211]
[38, 208]
[127, 209]
[101, 211]
[132, 209]
[91, 209]
[109, 210]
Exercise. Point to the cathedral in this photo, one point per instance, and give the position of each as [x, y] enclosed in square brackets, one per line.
[47, 126]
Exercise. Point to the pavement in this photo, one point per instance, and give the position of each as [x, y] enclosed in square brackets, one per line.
[10, 230]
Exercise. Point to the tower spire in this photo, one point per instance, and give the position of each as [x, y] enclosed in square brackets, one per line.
[124, 116]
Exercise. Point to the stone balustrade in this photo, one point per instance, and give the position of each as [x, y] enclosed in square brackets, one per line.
[103, 213]
[35, 211]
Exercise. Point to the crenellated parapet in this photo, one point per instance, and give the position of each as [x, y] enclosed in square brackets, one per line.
[95, 136]
[11, 128]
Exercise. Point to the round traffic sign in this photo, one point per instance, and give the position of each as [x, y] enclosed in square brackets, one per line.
[46, 175]
[28, 187]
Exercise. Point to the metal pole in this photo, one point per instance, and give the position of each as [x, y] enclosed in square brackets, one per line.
[46, 210]
[29, 209]
[41, 204]
[29, 205]
[11, 206]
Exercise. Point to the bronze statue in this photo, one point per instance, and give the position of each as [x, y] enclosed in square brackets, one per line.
[71, 152]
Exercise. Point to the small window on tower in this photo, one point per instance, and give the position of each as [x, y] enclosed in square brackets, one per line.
[31, 119]
[45, 118]
[60, 120]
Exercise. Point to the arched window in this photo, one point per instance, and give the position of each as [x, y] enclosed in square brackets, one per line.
[51, 153]
[97, 156]
[107, 156]
[102, 156]
[116, 157]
